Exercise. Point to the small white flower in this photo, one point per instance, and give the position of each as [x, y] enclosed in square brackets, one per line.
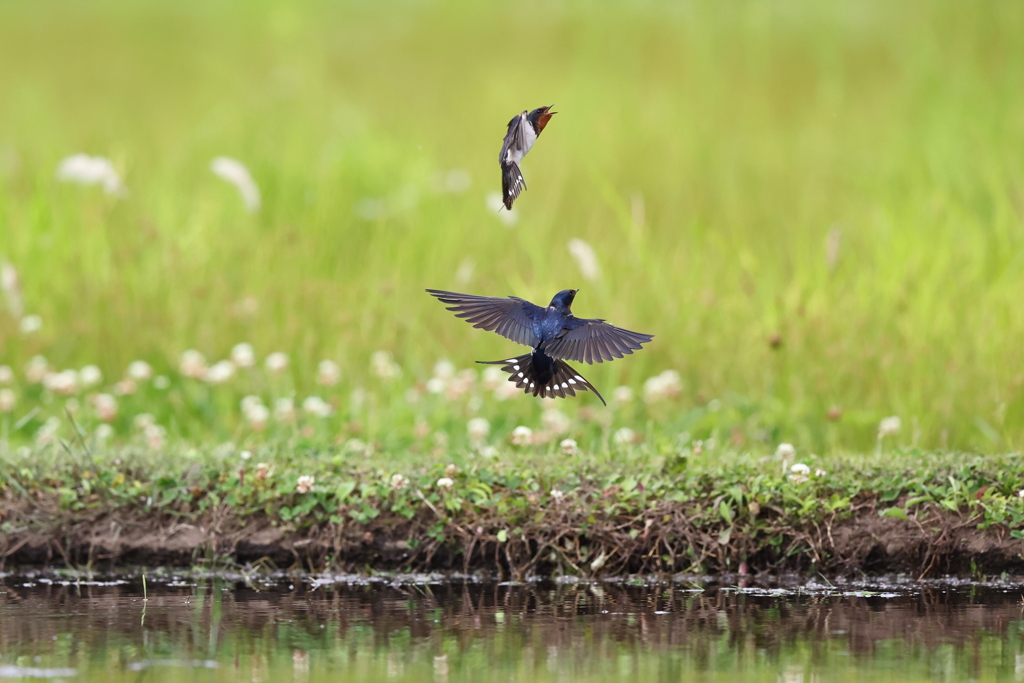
[1020, 494]
[522, 436]
[478, 428]
[586, 259]
[243, 355]
[558, 495]
[569, 447]
[87, 170]
[451, 470]
[143, 420]
[7, 400]
[276, 362]
[398, 482]
[800, 469]
[489, 452]
[64, 382]
[622, 394]
[785, 451]
[316, 406]
[220, 372]
[662, 387]
[90, 376]
[624, 436]
[35, 371]
[106, 407]
[284, 409]
[889, 426]
[161, 382]
[445, 483]
[245, 455]
[30, 324]
[493, 378]
[6, 374]
[237, 174]
[72, 405]
[384, 366]
[495, 204]
[126, 387]
[104, 432]
[155, 434]
[262, 470]
[555, 421]
[257, 416]
[139, 370]
[305, 484]
[820, 472]
[192, 364]
[328, 373]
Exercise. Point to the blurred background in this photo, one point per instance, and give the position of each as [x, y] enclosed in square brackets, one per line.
[816, 207]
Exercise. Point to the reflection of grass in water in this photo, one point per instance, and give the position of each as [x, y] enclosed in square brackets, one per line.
[818, 172]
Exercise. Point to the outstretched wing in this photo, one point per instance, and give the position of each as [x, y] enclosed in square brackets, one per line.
[509, 316]
[513, 138]
[593, 341]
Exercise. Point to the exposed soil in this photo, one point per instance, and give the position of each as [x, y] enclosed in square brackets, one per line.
[663, 540]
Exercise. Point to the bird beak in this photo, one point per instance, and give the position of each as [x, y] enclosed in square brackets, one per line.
[549, 112]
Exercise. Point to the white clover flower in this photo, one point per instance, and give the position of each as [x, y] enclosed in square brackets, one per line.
[461, 384]
[125, 387]
[522, 436]
[155, 436]
[192, 364]
[305, 484]
[317, 407]
[889, 426]
[72, 405]
[36, 369]
[245, 455]
[257, 415]
[662, 387]
[398, 482]
[243, 355]
[237, 174]
[90, 376]
[276, 362]
[161, 382]
[384, 366]
[586, 259]
[139, 370]
[6, 374]
[555, 421]
[622, 394]
[249, 401]
[785, 451]
[220, 372]
[87, 170]
[489, 452]
[1020, 494]
[106, 407]
[496, 205]
[435, 385]
[7, 400]
[569, 447]
[104, 432]
[506, 390]
[444, 369]
[143, 420]
[478, 428]
[451, 470]
[64, 382]
[263, 470]
[820, 472]
[30, 324]
[445, 483]
[493, 377]
[284, 409]
[558, 495]
[328, 373]
[624, 436]
[800, 468]
[11, 284]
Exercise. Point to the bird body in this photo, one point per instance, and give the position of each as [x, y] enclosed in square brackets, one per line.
[523, 131]
[555, 334]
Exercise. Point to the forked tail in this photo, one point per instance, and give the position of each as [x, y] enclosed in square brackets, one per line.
[538, 374]
[512, 183]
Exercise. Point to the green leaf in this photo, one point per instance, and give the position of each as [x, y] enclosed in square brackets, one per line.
[894, 512]
[344, 490]
[503, 535]
[1017, 533]
[725, 536]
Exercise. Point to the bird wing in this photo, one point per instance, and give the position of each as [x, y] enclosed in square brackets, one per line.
[513, 138]
[510, 316]
[593, 341]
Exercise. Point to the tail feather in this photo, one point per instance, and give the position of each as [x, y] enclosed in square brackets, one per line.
[538, 374]
[512, 183]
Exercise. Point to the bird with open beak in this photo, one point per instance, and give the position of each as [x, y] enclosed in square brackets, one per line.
[523, 131]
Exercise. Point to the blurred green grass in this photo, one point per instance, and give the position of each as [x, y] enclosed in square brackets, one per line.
[705, 150]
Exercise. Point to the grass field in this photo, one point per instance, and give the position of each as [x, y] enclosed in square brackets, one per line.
[816, 208]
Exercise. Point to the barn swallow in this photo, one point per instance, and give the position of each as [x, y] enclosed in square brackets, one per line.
[555, 334]
[523, 131]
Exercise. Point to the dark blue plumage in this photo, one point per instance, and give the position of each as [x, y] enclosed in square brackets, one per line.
[555, 334]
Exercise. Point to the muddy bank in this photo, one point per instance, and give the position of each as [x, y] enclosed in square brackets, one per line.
[660, 541]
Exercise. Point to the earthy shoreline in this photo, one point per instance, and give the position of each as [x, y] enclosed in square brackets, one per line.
[939, 543]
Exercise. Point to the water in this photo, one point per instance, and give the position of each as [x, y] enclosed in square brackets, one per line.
[223, 629]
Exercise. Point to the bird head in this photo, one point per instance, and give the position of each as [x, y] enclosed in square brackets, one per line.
[539, 117]
[563, 300]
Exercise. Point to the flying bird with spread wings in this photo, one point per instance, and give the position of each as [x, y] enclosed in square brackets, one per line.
[555, 334]
[523, 131]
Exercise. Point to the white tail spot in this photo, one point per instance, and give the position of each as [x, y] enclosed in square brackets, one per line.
[580, 378]
[564, 385]
[520, 374]
[531, 385]
[572, 381]
[513, 360]
[516, 368]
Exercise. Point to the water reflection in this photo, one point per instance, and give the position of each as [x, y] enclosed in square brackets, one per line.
[219, 630]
